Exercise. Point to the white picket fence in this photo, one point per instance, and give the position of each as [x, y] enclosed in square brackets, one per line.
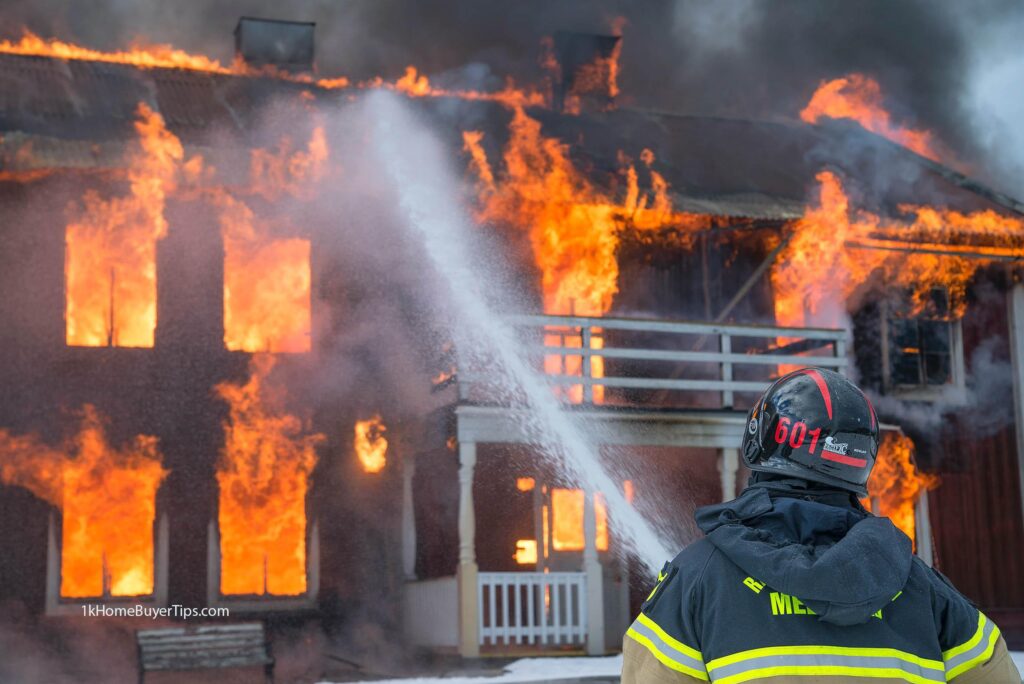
[532, 608]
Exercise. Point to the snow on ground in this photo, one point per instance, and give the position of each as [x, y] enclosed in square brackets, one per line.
[531, 670]
[544, 669]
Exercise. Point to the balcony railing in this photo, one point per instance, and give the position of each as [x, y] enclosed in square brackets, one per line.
[643, 362]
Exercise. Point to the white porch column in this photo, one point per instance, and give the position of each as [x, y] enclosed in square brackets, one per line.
[52, 567]
[408, 518]
[728, 465]
[1016, 324]
[594, 576]
[923, 530]
[469, 625]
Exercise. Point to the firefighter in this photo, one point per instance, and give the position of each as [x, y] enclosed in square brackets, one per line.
[795, 581]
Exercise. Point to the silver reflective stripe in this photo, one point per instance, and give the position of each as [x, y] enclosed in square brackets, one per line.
[976, 651]
[667, 649]
[864, 662]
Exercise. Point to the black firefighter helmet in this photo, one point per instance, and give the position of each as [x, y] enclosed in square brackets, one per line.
[816, 425]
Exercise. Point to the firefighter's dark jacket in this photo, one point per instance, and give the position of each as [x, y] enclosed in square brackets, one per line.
[792, 586]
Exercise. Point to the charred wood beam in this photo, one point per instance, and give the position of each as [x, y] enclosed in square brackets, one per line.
[753, 278]
[948, 250]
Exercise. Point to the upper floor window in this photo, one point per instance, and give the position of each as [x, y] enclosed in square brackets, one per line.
[922, 349]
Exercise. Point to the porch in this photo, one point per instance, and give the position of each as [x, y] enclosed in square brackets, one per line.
[638, 383]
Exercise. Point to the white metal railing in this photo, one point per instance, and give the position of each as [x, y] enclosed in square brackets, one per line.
[546, 609]
[743, 357]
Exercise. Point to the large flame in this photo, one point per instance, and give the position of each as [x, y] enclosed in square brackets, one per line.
[110, 266]
[263, 475]
[573, 226]
[266, 284]
[859, 97]
[108, 499]
[370, 444]
[896, 484]
[267, 278]
[835, 249]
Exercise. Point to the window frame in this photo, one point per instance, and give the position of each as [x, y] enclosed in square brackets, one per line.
[954, 391]
[57, 605]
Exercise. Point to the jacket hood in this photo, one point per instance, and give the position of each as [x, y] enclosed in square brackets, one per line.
[840, 561]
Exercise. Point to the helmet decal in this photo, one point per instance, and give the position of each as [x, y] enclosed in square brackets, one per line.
[837, 451]
[820, 382]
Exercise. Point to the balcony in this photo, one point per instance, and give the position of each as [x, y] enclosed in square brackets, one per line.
[636, 382]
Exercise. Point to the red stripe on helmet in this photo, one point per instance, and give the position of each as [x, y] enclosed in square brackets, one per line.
[871, 410]
[820, 382]
[845, 460]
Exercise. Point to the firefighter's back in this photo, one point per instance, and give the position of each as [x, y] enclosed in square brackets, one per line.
[788, 590]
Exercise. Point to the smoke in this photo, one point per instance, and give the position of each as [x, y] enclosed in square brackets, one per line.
[985, 402]
[946, 66]
[993, 96]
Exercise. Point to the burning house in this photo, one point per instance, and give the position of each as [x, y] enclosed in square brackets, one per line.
[205, 406]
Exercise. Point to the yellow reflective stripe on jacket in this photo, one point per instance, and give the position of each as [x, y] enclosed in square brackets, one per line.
[670, 652]
[825, 661]
[975, 651]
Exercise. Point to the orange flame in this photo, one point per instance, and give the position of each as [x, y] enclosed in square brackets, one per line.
[148, 56]
[567, 533]
[266, 284]
[895, 482]
[284, 171]
[573, 226]
[526, 552]
[168, 57]
[370, 445]
[110, 269]
[599, 77]
[826, 262]
[108, 500]
[263, 474]
[415, 84]
[267, 279]
[859, 97]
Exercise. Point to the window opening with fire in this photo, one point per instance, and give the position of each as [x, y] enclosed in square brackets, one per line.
[107, 499]
[110, 247]
[560, 512]
[263, 477]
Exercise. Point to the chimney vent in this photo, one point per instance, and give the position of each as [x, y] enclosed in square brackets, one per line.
[287, 45]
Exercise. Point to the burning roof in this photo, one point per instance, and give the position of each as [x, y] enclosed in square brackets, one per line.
[70, 112]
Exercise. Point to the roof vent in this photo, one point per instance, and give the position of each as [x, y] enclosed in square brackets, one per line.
[287, 45]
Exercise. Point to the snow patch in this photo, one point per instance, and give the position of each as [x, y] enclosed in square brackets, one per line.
[532, 670]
